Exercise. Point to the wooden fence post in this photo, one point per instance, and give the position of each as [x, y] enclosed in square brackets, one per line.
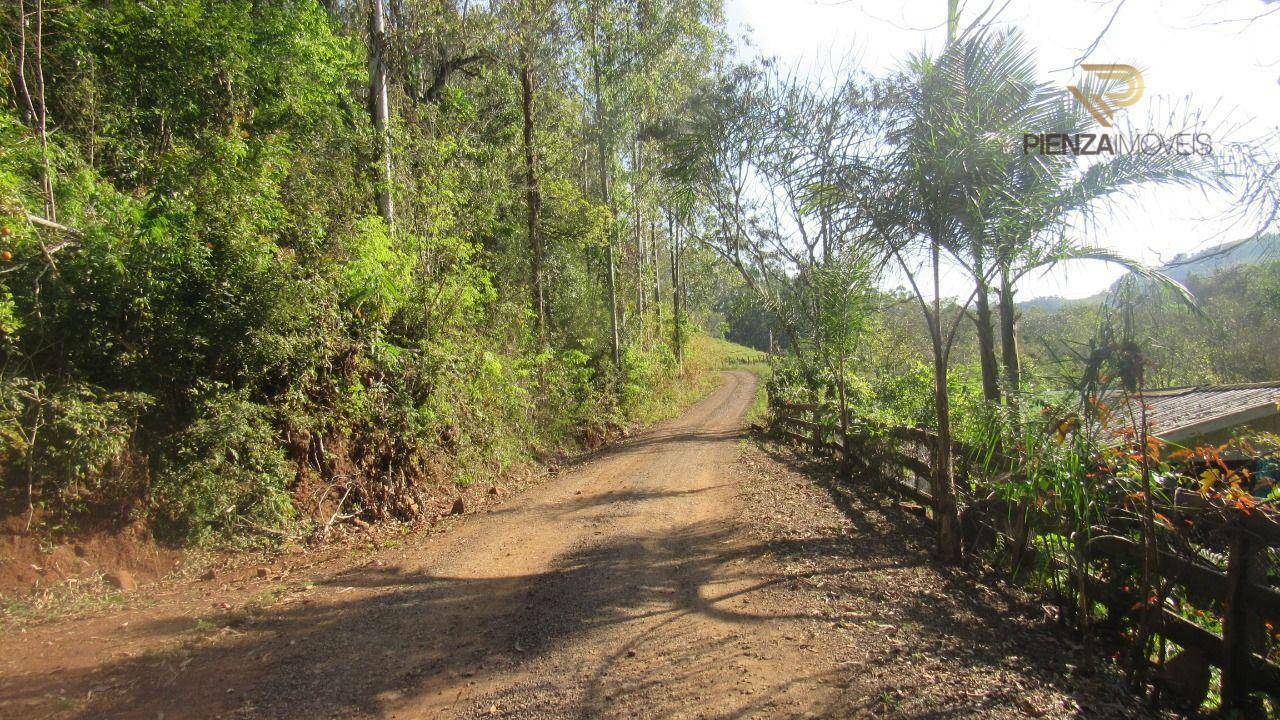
[846, 458]
[816, 418]
[1242, 629]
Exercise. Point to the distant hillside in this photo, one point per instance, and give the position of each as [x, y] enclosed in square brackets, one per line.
[1238, 290]
[1221, 257]
[1185, 266]
[1054, 303]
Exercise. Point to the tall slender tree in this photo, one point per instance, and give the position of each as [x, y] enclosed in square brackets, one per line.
[533, 194]
[533, 24]
[599, 42]
[380, 108]
[677, 304]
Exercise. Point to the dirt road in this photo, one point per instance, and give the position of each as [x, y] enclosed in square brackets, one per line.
[637, 584]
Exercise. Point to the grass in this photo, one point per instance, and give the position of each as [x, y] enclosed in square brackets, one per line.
[704, 358]
[73, 598]
[759, 411]
[725, 355]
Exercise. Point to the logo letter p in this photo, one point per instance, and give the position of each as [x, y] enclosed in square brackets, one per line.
[1103, 106]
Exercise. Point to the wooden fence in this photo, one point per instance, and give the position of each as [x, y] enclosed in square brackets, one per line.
[1239, 597]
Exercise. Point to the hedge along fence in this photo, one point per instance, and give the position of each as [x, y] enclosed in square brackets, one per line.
[1246, 604]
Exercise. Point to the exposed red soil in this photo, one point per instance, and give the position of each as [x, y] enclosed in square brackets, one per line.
[30, 562]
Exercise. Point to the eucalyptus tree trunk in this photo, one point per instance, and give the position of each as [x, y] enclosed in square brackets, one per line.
[37, 113]
[379, 108]
[637, 160]
[533, 197]
[642, 293]
[612, 275]
[677, 307]
[604, 150]
[657, 277]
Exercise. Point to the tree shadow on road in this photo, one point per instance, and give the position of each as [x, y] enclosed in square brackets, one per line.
[945, 642]
[376, 638]
[382, 640]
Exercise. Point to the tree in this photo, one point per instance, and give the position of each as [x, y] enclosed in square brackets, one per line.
[532, 193]
[600, 50]
[35, 109]
[788, 169]
[313, 239]
[677, 293]
[436, 42]
[1029, 210]
[639, 62]
[533, 27]
[380, 109]
[1020, 211]
[922, 212]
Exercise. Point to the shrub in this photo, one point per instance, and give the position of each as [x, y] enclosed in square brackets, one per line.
[66, 440]
[224, 471]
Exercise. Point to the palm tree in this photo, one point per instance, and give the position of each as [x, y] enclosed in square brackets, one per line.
[963, 189]
[1022, 211]
[921, 210]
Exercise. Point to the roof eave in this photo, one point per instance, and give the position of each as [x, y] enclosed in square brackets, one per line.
[1221, 422]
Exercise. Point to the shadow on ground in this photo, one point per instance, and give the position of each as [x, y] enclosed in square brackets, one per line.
[994, 642]
[377, 640]
[420, 633]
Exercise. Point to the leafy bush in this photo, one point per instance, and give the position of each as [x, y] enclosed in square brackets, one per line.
[226, 469]
[643, 372]
[66, 441]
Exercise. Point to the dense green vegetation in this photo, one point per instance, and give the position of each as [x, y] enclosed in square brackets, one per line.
[1225, 341]
[1229, 342]
[815, 187]
[215, 299]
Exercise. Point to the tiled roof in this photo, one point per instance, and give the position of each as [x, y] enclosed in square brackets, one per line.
[1178, 413]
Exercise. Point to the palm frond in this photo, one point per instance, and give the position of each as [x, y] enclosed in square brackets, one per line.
[1180, 292]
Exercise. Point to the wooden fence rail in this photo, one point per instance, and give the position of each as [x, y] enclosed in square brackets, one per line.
[1245, 604]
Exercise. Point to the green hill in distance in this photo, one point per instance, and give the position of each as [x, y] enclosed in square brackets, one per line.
[1185, 266]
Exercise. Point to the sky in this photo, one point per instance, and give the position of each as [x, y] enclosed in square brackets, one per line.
[1207, 51]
